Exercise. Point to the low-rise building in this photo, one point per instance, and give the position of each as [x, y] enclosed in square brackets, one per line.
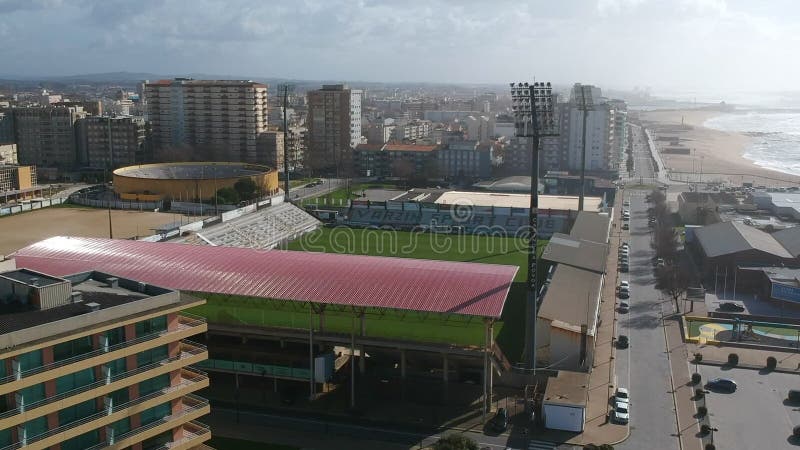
[17, 178]
[8, 153]
[465, 160]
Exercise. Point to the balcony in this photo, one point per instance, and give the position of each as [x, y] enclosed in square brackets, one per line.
[190, 353]
[187, 326]
[194, 434]
[191, 407]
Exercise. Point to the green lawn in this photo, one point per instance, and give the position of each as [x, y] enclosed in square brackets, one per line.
[221, 443]
[341, 194]
[509, 332]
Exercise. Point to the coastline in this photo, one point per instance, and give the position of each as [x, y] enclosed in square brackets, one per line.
[718, 154]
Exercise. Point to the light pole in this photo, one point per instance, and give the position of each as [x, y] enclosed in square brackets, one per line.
[532, 105]
[584, 102]
[285, 88]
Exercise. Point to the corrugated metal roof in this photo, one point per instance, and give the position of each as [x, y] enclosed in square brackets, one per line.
[353, 280]
[789, 238]
[573, 297]
[591, 226]
[576, 252]
[727, 238]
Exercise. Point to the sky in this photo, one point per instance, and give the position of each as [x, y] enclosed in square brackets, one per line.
[666, 45]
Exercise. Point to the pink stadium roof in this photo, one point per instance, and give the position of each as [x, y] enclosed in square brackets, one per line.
[325, 278]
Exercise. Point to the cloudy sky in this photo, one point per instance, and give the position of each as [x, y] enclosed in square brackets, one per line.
[664, 44]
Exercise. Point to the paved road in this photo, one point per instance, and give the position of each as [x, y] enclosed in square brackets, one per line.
[642, 160]
[754, 416]
[328, 185]
[644, 367]
[319, 434]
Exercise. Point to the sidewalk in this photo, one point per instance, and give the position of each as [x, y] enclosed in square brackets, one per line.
[598, 429]
[749, 358]
[683, 390]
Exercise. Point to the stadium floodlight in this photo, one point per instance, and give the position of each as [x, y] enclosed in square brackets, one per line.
[582, 96]
[534, 118]
[284, 89]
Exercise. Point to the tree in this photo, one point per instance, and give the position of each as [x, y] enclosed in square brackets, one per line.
[227, 196]
[246, 188]
[403, 169]
[455, 442]
[674, 281]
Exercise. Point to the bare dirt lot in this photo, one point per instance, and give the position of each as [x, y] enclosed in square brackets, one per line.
[20, 230]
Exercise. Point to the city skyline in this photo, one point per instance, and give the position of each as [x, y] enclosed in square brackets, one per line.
[620, 44]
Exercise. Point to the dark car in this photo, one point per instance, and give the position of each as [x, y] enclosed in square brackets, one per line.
[622, 341]
[500, 420]
[732, 307]
[793, 396]
[722, 384]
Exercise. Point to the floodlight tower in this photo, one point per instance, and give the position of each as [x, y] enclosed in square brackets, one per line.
[285, 88]
[534, 118]
[584, 102]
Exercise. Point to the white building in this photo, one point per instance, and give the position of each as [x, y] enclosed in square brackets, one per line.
[601, 150]
[479, 128]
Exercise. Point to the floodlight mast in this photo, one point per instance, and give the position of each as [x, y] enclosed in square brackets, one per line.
[533, 109]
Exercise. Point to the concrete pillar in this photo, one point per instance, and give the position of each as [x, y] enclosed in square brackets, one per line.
[403, 364]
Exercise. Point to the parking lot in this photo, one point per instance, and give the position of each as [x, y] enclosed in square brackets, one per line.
[757, 415]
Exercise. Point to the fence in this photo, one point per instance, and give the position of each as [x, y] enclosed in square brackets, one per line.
[115, 204]
[30, 206]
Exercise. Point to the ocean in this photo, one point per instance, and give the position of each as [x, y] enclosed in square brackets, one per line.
[775, 136]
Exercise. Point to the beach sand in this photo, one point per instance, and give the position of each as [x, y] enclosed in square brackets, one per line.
[23, 229]
[717, 153]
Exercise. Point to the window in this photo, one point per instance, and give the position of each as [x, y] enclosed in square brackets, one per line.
[30, 360]
[76, 412]
[153, 385]
[155, 413]
[81, 442]
[72, 348]
[116, 336]
[75, 380]
[151, 326]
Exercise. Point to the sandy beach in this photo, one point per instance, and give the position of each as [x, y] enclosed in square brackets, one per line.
[718, 154]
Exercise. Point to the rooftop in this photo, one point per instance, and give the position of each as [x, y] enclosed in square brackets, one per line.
[350, 280]
[789, 238]
[572, 298]
[567, 388]
[496, 199]
[726, 238]
[30, 277]
[410, 148]
[591, 226]
[191, 171]
[575, 252]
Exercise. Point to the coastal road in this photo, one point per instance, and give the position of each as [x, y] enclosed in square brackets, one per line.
[644, 367]
[644, 172]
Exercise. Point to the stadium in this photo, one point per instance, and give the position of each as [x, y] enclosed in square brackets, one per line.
[192, 180]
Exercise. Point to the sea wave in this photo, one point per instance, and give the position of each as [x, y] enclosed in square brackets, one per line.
[775, 143]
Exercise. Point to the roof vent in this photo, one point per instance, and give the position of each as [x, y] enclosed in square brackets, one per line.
[34, 281]
[142, 287]
[93, 306]
[76, 296]
[113, 282]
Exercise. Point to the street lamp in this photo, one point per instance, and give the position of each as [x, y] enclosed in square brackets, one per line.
[582, 96]
[534, 118]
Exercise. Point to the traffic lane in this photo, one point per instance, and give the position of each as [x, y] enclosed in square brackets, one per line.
[757, 415]
[652, 408]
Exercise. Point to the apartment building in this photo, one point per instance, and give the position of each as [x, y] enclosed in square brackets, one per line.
[112, 142]
[15, 178]
[92, 361]
[600, 133]
[334, 127]
[411, 130]
[272, 149]
[8, 153]
[219, 117]
[45, 135]
[396, 160]
[465, 160]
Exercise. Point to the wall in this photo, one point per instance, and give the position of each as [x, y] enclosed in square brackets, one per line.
[8, 210]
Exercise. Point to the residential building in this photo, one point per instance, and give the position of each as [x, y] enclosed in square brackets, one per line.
[218, 119]
[380, 132]
[396, 160]
[8, 153]
[296, 146]
[112, 142]
[92, 107]
[271, 149]
[504, 127]
[334, 127]
[411, 130]
[479, 128]
[93, 361]
[601, 152]
[45, 135]
[7, 126]
[465, 160]
[16, 178]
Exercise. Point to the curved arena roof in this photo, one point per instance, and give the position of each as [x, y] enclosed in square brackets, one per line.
[191, 171]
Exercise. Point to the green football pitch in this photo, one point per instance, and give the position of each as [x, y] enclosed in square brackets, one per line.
[450, 329]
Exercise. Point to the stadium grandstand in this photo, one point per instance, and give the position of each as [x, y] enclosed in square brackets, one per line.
[493, 213]
[386, 313]
[264, 229]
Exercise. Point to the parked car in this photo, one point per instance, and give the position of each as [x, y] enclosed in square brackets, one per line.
[623, 293]
[622, 341]
[722, 384]
[500, 420]
[623, 268]
[620, 414]
[730, 306]
[625, 225]
[624, 307]
[624, 284]
[626, 203]
[793, 395]
[621, 395]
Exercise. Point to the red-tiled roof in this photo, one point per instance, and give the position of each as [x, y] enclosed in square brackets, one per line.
[409, 148]
[352, 280]
[370, 147]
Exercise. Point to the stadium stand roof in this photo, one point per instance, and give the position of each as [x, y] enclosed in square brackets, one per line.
[564, 249]
[324, 278]
[726, 238]
[572, 299]
[789, 238]
[591, 226]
